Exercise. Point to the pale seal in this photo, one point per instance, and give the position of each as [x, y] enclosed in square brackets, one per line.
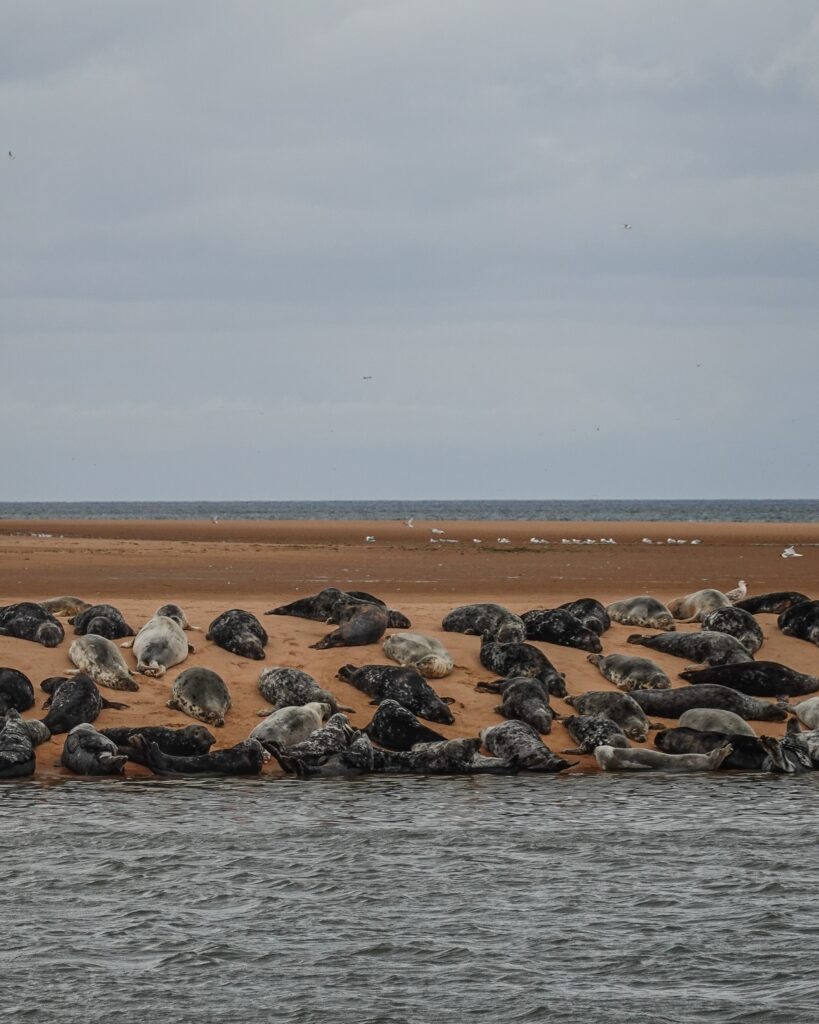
[245, 758]
[239, 632]
[102, 620]
[557, 626]
[394, 727]
[515, 659]
[160, 644]
[29, 621]
[736, 622]
[748, 753]
[64, 605]
[807, 711]
[629, 673]
[692, 607]
[801, 621]
[591, 613]
[715, 720]
[101, 660]
[334, 736]
[201, 693]
[288, 726]
[518, 743]
[477, 619]
[181, 741]
[773, 604]
[673, 703]
[702, 647]
[640, 759]
[291, 687]
[173, 611]
[756, 679]
[359, 624]
[424, 653]
[402, 684]
[72, 702]
[16, 691]
[621, 708]
[641, 611]
[17, 759]
[88, 752]
[592, 731]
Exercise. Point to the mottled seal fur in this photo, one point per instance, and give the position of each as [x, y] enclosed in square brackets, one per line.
[629, 673]
[394, 727]
[102, 620]
[702, 647]
[692, 607]
[526, 699]
[288, 726]
[639, 759]
[773, 604]
[748, 753]
[245, 758]
[592, 731]
[327, 604]
[424, 653]
[801, 621]
[807, 711]
[37, 732]
[16, 691]
[736, 622]
[181, 741]
[715, 720]
[621, 708]
[591, 613]
[239, 632]
[517, 742]
[100, 659]
[29, 621]
[401, 684]
[88, 752]
[17, 759]
[72, 702]
[64, 605]
[173, 611]
[672, 703]
[641, 611]
[335, 735]
[515, 660]
[291, 687]
[477, 619]
[557, 626]
[159, 645]
[756, 679]
[202, 694]
[359, 624]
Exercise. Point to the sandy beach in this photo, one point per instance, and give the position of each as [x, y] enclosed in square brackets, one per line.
[209, 567]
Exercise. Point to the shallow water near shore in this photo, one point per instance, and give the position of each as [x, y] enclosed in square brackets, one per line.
[655, 898]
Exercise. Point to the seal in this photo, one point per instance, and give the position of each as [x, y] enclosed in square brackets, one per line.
[327, 604]
[748, 753]
[621, 708]
[773, 604]
[557, 626]
[673, 703]
[703, 647]
[736, 622]
[801, 748]
[64, 605]
[29, 621]
[159, 645]
[73, 702]
[629, 673]
[525, 699]
[518, 743]
[394, 727]
[640, 759]
[37, 732]
[692, 607]
[477, 619]
[807, 711]
[591, 613]
[102, 620]
[239, 632]
[448, 757]
[201, 693]
[245, 758]
[16, 691]
[290, 687]
[424, 653]
[173, 611]
[288, 726]
[360, 624]
[336, 735]
[100, 659]
[715, 720]
[756, 679]
[401, 684]
[515, 660]
[17, 758]
[88, 752]
[641, 611]
[181, 741]
[801, 621]
[592, 731]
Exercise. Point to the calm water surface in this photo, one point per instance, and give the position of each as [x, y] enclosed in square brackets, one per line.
[589, 899]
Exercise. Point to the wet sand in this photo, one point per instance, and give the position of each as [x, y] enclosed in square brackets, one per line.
[209, 567]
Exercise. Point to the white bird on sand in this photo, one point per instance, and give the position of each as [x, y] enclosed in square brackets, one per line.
[433, 530]
[791, 552]
[369, 540]
[216, 519]
[647, 540]
[503, 540]
[408, 522]
[738, 593]
[696, 542]
[477, 540]
[537, 540]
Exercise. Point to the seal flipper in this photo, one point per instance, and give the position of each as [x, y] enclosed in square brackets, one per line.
[489, 687]
[794, 727]
[114, 704]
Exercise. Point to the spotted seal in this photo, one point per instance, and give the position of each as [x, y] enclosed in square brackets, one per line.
[37, 732]
[621, 708]
[291, 687]
[159, 645]
[801, 621]
[736, 623]
[748, 753]
[557, 626]
[715, 720]
[591, 612]
[424, 653]
[64, 605]
[327, 604]
[641, 611]
[17, 758]
[756, 679]
[359, 624]
[692, 607]
[29, 621]
[641, 759]
[201, 693]
[288, 726]
[16, 691]
[477, 619]
[516, 659]
[702, 647]
[672, 703]
[102, 620]
[100, 659]
[239, 632]
[517, 742]
[394, 727]
[629, 673]
[773, 604]
[245, 758]
[401, 684]
[73, 702]
[181, 741]
[334, 736]
[88, 752]
[592, 731]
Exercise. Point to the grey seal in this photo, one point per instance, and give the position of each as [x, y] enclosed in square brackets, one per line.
[748, 753]
[641, 611]
[702, 647]
[29, 621]
[477, 619]
[591, 612]
[424, 653]
[621, 708]
[394, 727]
[629, 673]
[16, 691]
[173, 611]
[291, 687]
[402, 684]
[801, 621]
[181, 741]
[359, 624]
[327, 604]
[756, 679]
[102, 620]
[239, 632]
[639, 759]
[692, 607]
[64, 605]
[715, 720]
[88, 752]
[807, 711]
[516, 659]
[288, 726]
[159, 645]
[37, 732]
[334, 736]
[525, 699]
[736, 622]
[673, 703]
[557, 626]
[17, 759]
[201, 693]
[518, 743]
[245, 758]
[592, 731]
[773, 604]
[72, 702]
[100, 659]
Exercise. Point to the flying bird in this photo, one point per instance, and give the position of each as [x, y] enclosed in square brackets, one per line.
[366, 378]
[12, 156]
[627, 227]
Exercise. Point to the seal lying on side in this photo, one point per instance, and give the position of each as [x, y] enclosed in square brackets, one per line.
[180, 741]
[64, 605]
[16, 691]
[757, 679]
[404, 685]
[424, 653]
[477, 619]
[692, 607]
[29, 621]
[292, 688]
[508, 660]
[394, 727]
[591, 613]
[673, 703]
[807, 711]
[703, 647]
[202, 694]
[37, 732]
[748, 753]
[773, 604]
[245, 758]
[639, 759]
[17, 758]
[630, 673]
[557, 626]
[72, 702]
[739, 624]
[325, 607]
[641, 611]
[526, 699]
[592, 731]
[159, 645]
[239, 632]
[288, 726]
[516, 742]
[621, 708]
[802, 621]
[715, 720]
[173, 611]
[102, 620]
[88, 752]
[359, 624]
[100, 659]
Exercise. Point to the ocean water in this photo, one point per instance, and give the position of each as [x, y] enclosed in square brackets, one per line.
[655, 899]
[768, 510]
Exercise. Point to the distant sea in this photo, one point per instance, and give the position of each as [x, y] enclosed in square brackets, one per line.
[720, 510]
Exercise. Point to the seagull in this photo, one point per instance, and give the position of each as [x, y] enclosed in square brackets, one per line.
[738, 593]
[12, 156]
[216, 519]
[627, 227]
[647, 540]
[503, 540]
[437, 531]
[408, 522]
[791, 552]
[477, 540]
[370, 540]
[696, 542]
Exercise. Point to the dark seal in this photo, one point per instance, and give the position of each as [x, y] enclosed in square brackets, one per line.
[16, 691]
[629, 673]
[756, 679]
[518, 743]
[239, 632]
[88, 752]
[801, 621]
[591, 613]
[359, 624]
[748, 753]
[673, 703]
[73, 702]
[703, 647]
[524, 699]
[102, 620]
[326, 606]
[180, 741]
[557, 626]
[477, 619]
[245, 758]
[17, 759]
[394, 727]
[516, 659]
[293, 688]
[29, 621]
[772, 604]
[591, 731]
[736, 622]
[402, 684]
[621, 708]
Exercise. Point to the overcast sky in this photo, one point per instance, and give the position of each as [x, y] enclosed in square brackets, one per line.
[336, 249]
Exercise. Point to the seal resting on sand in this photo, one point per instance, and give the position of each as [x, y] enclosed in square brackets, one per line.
[641, 611]
[88, 752]
[629, 673]
[748, 753]
[591, 613]
[591, 731]
[64, 605]
[101, 620]
[557, 626]
[702, 647]
[516, 742]
[173, 611]
[16, 691]
[715, 720]
[673, 703]
[773, 604]
[288, 726]
[245, 758]
[756, 679]
[291, 687]
[477, 619]
[424, 653]
[515, 659]
[401, 684]
[807, 711]
[202, 694]
[181, 741]
[239, 632]
[100, 659]
[326, 606]
[621, 708]
[28, 621]
[736, 622]
[72, 702]
[359, 624]
[524, 699]
[692, 607]
[801, 621]
[394, 727]
[640, 759]
[17, 758]
[159, 645]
